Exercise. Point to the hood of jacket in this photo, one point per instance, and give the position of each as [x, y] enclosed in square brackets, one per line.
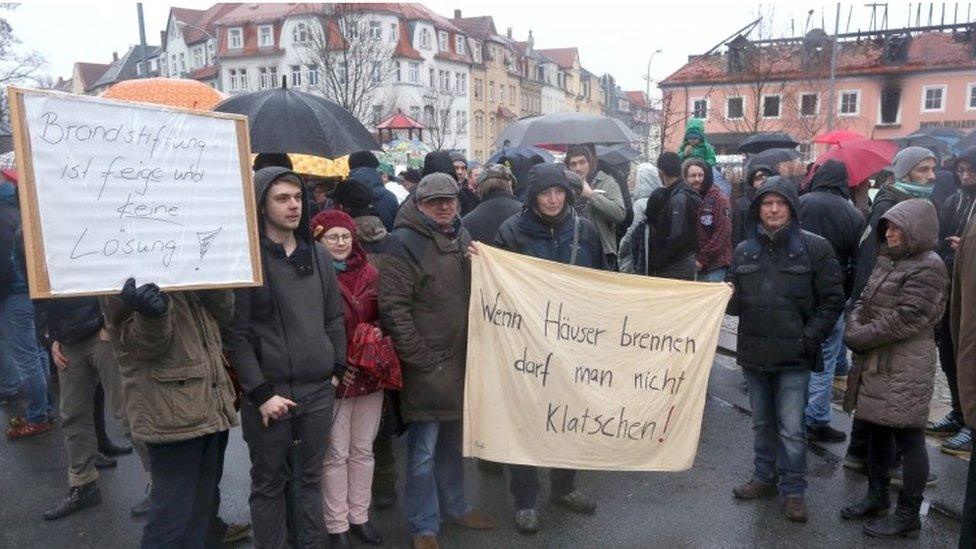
[918, 220]
[831, 177]
[695, 129]
[369, 177]
[774, 185]
[263, 179]
[544, 176]
[370, 228]
[647, 181]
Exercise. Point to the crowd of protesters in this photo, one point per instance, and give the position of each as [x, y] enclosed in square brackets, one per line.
[383, 262]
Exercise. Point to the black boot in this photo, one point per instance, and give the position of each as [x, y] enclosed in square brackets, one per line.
[875, 504]
[903, 523]
[105, 445]
[79, 497]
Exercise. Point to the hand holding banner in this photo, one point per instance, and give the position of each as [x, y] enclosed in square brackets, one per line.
[581, 369]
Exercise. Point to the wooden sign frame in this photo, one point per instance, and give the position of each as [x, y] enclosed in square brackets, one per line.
[38, 277]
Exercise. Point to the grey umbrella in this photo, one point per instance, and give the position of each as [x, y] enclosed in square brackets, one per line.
[767, 140]
[565, 128]
[771, 157]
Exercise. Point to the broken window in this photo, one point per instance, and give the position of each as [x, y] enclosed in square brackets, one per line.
[890, 101]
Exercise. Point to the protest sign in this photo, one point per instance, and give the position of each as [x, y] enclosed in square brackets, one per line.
[582, 369]
[110, 190]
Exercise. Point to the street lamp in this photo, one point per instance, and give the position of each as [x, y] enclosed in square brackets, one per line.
[217, 79]
[647, 97]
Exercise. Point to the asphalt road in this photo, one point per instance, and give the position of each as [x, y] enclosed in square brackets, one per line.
[674, 510]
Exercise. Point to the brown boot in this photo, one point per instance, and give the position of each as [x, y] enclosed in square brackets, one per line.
[795, 509]
[754, 490]
[475, 520]
[425, 542]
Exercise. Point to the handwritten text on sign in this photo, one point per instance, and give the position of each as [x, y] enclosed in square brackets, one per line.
[582, 369]
[128, 190]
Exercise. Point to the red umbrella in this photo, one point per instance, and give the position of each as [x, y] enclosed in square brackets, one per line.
[862, 158]
[375, 357]
[837, 137]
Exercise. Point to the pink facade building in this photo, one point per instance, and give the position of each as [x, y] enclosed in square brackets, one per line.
[888, 84]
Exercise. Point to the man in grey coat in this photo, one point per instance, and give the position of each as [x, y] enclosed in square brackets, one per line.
[286, 341]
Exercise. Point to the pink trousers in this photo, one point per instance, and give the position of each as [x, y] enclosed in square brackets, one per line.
[347, 477]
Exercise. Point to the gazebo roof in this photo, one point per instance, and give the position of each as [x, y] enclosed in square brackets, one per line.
[400, 121]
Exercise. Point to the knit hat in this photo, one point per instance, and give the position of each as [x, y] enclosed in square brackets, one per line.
[363, 159]
[328, 219]
[387, 169]
[438, 162]
[906, 160]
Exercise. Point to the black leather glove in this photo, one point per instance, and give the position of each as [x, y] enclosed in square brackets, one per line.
[146, 300]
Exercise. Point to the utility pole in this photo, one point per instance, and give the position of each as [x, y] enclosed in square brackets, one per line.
[833, 73]
[143, 65]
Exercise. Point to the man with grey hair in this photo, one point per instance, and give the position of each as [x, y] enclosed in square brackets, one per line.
[498, 203]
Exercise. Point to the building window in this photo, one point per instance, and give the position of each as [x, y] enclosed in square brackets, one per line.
[396, 71]
[300, 34]
[461, 83]
[313, 75]
[431, 78]
[351, 29]
[198, 57]
[491, 92]
[734, 108]
[267, 77]
[699, 108]
[491, 125]
[442, 41]
[394, 32]
[462, 121]
[850, 103]
[501, 93]
[415, 112]
[265, 36]
[446, 120]
[296, 75]
[933, 98]
[459, 44]
[479, 125]
[809, 104]
[413, 73]
[377, 114]
[477, 52]
[890, 105]
[424, 39]
[971, 97]
[238, 79]
[210, 52]
[478, 83]
[771, 104]
[445, 81]
[236, 38]
[343, 72]
[182, 62]
[375, 74]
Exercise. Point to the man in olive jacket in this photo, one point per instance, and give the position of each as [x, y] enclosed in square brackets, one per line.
[424, 291]
[179, 400]
[788, 294]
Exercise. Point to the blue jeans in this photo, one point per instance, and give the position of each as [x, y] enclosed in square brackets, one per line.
[435, 475]
[17, 323]
[778, 400]
[714, 275]
[822, 383]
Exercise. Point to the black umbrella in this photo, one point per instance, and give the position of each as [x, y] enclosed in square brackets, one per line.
[617, 154]
[531, 153]
[565, 128]
[942, 132]
[767, 140]
[966, 142]
[771, 158]
[289, 121]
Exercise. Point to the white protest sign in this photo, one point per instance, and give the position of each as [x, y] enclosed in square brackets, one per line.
[113, 190]
[582, 369]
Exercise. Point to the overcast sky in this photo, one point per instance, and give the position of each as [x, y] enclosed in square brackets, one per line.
[613, 36]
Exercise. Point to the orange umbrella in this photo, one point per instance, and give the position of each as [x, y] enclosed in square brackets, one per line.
[172, 92]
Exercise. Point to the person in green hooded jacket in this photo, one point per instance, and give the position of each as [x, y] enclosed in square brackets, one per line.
[694, 144]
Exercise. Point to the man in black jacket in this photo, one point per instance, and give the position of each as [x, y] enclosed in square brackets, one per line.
[286, 341]
[672, 217]
[788, 295]
[498, 203]
[827, 211]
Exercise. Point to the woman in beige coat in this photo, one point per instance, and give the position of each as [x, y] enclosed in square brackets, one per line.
[890, 330]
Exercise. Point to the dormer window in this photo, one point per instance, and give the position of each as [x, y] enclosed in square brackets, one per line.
[425, 39]
[235, 38]
[459, 45]
[300, 34]
[442, 41]
[265, 36]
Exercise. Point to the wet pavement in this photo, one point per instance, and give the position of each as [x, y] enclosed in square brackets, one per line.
[676, 510]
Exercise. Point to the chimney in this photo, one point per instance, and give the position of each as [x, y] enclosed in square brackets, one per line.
[508, 33]
[457, 14]
[115, 56]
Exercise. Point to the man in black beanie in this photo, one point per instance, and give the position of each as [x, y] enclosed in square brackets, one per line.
[362, 167]
[363, 159]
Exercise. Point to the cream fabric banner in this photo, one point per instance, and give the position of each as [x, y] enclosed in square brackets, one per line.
[582, 369]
